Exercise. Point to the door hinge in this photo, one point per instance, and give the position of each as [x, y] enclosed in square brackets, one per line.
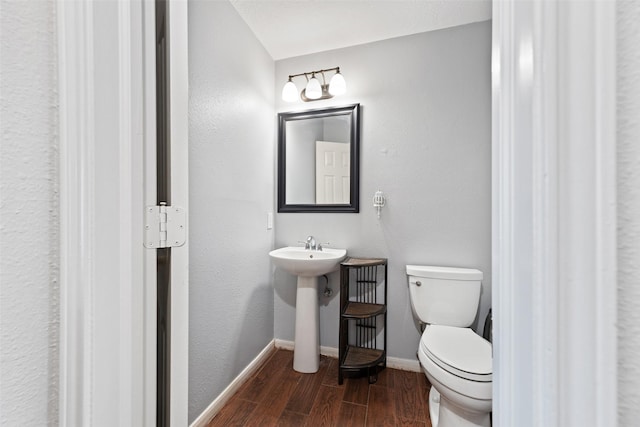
[164, 227]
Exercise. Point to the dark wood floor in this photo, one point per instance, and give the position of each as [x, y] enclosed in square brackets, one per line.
[278, 396]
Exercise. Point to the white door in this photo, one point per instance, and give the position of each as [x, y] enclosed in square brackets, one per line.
[333, 165]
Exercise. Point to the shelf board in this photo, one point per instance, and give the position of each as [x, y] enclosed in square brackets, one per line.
[359, 357]
[359, 310]
[363, 262]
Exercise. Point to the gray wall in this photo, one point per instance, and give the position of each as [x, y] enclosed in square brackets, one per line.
[29, 233]
[628, 212]
[231, 163]
[426, 138]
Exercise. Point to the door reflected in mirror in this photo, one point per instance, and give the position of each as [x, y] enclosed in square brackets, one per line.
[318, 160]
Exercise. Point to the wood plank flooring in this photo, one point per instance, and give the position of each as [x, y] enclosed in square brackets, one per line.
[278, 396]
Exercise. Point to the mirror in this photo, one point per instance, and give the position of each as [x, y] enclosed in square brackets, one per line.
[318, 160]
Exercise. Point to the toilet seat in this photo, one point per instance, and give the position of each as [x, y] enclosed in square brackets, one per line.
[459, 351]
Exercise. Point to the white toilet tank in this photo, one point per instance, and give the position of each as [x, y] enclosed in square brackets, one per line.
[444, 295]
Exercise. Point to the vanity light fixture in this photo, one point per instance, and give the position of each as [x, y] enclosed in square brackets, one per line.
[315, 89]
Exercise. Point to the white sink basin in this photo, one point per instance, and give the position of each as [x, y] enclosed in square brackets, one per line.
[307, 263]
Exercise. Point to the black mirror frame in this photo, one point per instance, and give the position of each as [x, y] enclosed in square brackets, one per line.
[354, 111]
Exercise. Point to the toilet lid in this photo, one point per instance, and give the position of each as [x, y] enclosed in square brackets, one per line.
[459, 351]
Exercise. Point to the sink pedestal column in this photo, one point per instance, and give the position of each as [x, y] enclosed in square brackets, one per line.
[306, 353]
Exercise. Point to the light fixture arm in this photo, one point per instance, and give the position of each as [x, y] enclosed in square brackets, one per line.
[336, 69]
[324, 80]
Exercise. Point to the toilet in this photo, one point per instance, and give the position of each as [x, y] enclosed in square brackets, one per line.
[457, 361]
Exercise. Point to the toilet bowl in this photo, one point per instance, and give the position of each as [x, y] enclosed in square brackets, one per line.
[456, 361]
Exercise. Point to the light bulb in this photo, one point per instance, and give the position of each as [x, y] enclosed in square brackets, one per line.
[337, 86]
[313, 89]
[289, 92]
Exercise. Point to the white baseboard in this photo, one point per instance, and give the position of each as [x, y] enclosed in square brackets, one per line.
[329, 352]
[392, 362]
[283, 344]
[403, 364]
[235, 385]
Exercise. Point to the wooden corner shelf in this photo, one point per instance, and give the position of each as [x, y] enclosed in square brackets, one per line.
[363, 317]
[357, 310]
[358, 357]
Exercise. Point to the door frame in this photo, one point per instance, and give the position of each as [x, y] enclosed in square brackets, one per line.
[544, 236]
[554, 213]
[116, 387]
[179, 137]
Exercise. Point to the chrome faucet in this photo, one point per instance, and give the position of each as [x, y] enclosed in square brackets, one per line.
[310, 243]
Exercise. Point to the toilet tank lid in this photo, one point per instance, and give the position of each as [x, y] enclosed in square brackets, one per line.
[451, 273]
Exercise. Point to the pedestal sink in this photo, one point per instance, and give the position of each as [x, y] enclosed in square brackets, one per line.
[307, 265]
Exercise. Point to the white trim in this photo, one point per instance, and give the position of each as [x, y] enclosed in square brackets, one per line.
[214, 407]
[392, 362]
[130, 256]
[331, 352]
[524, 224]
[502, 245]
[179, 137]
[149, 190]
[284, 344]
[554, 272]
[606, 279]
[404, 364]
[76, 115]
[101, 207]
[587, 219]
[544, 142]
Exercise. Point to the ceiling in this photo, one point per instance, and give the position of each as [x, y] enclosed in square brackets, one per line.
[289, 28]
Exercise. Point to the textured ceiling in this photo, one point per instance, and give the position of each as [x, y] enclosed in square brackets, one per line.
[290, 28]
